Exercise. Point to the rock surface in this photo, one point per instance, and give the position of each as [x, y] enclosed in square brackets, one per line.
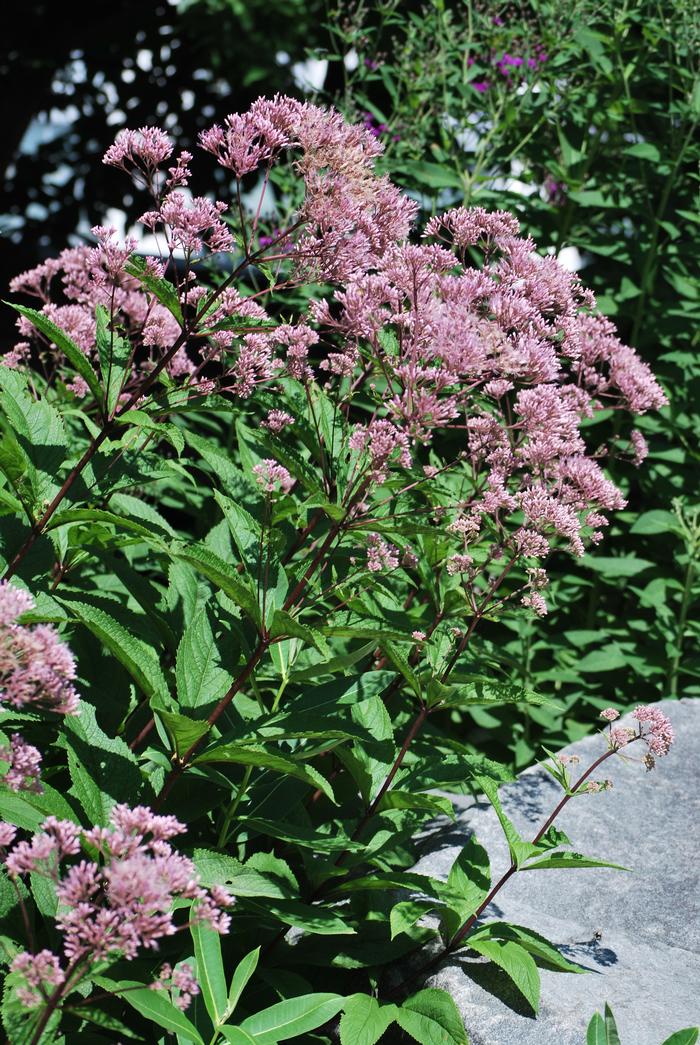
[638, 933]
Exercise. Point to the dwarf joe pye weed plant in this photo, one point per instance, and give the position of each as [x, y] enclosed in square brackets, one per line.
[270, 485]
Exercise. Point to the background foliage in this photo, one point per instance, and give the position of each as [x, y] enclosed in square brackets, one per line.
[596, 149]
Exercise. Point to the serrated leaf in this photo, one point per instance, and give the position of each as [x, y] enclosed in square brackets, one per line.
[199, 677]
[520, 850]
[114, 352]
[139, 659]
[404, 915]
[321, 921]
[531, 941]
[515, 961]
[432, 1018]
[75, 356]
[261, 758]
[468, 884]
[262, 875]
[161, 288]
[364, 1020]
[570, 860]
[102, 768]
[221, 574]
[183, 731]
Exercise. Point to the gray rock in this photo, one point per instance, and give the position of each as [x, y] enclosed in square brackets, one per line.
[638, 933]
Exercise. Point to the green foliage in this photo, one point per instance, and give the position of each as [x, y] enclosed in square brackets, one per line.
[239, 663]
[595, 147]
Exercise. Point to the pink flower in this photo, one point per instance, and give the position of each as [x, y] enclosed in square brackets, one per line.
[276, 420]
[36, 668]
[610, 714]
[182, 980]
[118, 901]
[24, 765]
[380, 554]
[656, 729]
[273, 477]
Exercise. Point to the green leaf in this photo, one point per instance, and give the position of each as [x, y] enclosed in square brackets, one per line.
[515, 961]
[520, 850]
[531, 941]
[364, 1020]
[432, 1018]
[154, 1006]
[468, 884]
[305, 837]
[643, 151]
[162, 429]
[221, 575]
[183, 731]
[139, 659]
[602, 1031]
[656, 521]
[199, 677]
[75, 356]
[18, 811]
[406, 914]
[312, 918]
[237, 1036]
[70, 516]
[616, 566]
[688, 1036]
[290, 1018]
[482, 692]
[434, 175]
[242, 974]
[262, 875]
[558, 860]
[210, 968]
[245, 530]
[161, 288]
[261, 758]
[114, 352]
[102, 768]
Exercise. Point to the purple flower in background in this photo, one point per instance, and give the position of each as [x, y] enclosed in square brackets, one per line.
[555, 191]
[481, 85]
[375, 129]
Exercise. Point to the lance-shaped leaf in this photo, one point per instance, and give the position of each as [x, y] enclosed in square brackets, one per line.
[515, 961]
[537, 945]
[555, 861]
[139, 659]
[520, 850]
[154, 1006]
[220, 573]
[75, 356]
[162, 289]
[364, 1020]
[467, 886]
[210, 969]
[261, 758]
[293, 1017]
[114, 352]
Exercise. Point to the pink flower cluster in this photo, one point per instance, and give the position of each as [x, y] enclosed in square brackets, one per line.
[514, 354]
[503, 358]
[380, 554]
[24, 765]
[118, 900]
[182, 979]
[36, 669]
[272, 476]
[655, 730]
